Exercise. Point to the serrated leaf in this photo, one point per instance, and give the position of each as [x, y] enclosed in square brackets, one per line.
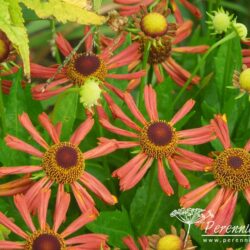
[116, 224]
[12, 24]
[79, 3]
[63, 11]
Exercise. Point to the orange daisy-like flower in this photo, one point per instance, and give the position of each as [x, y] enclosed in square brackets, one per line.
[129, 7]
[83, 66]
[45, 237]
[156, 34]
[161, 241]
[231, 171]
[164, 241]
[157, 139]
[62, 163]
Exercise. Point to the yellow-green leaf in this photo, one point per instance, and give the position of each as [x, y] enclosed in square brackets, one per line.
[4, 232]
[64, 11]
[79, 3]
[12, 24]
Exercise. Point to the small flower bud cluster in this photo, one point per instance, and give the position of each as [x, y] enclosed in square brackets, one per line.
[221, 21]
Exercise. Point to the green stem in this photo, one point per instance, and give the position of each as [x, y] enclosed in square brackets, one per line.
[2, 109]
[203, 59]
[144, 66]
[53, 31]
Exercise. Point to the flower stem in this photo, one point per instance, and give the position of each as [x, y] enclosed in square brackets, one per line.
[144, 66]
[53, 39]
[203, 59]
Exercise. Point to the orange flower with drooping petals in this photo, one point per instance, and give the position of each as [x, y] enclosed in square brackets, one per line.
[154, 32]
[46, 237]
[231, 171]
[62, 163]
[156, 139]
[83, 66]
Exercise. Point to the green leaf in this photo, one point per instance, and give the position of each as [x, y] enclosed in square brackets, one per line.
[12, 24]
[64, 11]
[151, 207]
[65, 112]
[218, 98]
[15, 105]
[97, 5]
[116, 224]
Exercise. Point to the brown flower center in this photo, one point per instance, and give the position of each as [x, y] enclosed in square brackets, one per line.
[158, 139]
[63, 163]
[66, 157]
[159, 51]
[235, 161]
[83, 66]
[160, 133]
[87, 64]
[45, 240]
[232, 169]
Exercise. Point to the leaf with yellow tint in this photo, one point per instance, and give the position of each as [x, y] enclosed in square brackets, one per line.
[80, 3]
[12, 24]
[64, 11]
